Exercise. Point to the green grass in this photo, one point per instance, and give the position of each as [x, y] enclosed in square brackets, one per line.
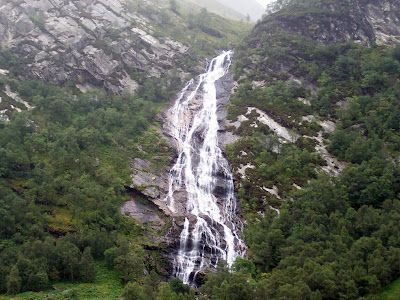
[390, 292]
[107, 286]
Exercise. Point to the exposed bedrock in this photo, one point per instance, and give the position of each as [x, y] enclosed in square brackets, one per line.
[99, 43]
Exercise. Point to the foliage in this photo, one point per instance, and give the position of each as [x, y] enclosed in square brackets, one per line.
[175, 290]
[105, 286]
[320, 246]
[203, 31]
[63, 174]
[226, 285]
[391, 292]
[335, 238]
[13, 281]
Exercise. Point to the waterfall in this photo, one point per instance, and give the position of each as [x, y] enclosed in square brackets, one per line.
[210, 231]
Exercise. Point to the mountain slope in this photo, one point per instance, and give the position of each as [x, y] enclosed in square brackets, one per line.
[108, 43]
[217, 8]
[250, 7]
[313, 139]
[92, 40]
[120, 45]
[316, 119]
[237, 10]
[363, 22]
[82, 84]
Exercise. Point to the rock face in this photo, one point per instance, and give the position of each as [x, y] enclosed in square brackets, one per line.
[142, 212]
[225, 87]
[361, 21]
[295, 27]
[150, 182]
[94, 42]
[10, 101]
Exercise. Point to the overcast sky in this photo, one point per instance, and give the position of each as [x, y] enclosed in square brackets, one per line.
[265, 2]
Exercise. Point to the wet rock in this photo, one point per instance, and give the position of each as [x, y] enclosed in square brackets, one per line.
[224, 88]
[154, 184]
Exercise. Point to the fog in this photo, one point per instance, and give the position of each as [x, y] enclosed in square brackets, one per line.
[246, 7]
[265, 2]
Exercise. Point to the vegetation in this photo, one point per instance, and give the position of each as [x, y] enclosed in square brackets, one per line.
[64, 168]
[106, 285]
[186, 22]
[391, 292]
[335, 238]
[63, 171]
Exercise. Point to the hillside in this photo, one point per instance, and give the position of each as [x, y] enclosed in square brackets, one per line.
[236, 9]
[82, 85]
[316, 118]
[107, 43]
[216, 7]
[274, 174]
[248, 7]
[120, 46]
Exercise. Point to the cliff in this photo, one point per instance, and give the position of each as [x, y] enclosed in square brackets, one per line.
[282, 38]
[88, 42]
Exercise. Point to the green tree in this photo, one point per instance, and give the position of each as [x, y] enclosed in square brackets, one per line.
[38, 281]
[87, 266]
[130, 265]
[13, 281]
[166, 293]
[134, 291]
[69, 256]
[224, 285]
[110, 255]
[179, 287]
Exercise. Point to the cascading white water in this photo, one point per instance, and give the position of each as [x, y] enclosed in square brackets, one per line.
[210, 232]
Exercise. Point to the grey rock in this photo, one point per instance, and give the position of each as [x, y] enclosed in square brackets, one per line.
[225, 87]
[144, 213]
[365, 22]
[152, 183]
[96, 43]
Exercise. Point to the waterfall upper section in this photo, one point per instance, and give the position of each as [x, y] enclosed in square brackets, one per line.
[202, 175]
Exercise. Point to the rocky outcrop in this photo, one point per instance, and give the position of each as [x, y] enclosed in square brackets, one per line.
[225, 87]
[151, 183]
[362, 21]
[95, 42]
[10, 100]
[280, 41]
[143, 213]
[144, 179]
